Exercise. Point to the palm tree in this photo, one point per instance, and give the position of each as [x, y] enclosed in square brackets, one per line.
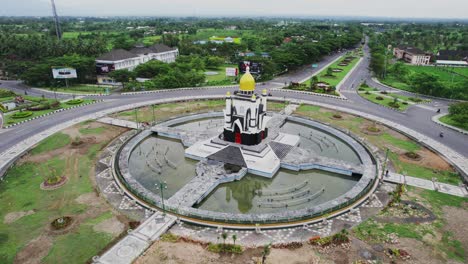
[234, 238]
[224, 236]
[265, 252]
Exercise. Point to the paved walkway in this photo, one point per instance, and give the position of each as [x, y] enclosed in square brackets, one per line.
[427, 184]
[119, 122]
[136, 242]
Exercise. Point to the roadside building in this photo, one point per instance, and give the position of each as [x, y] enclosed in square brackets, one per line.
[412, 55]
[119, 59]
[452, 58]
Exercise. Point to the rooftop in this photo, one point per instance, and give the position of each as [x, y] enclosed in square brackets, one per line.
[117, 55]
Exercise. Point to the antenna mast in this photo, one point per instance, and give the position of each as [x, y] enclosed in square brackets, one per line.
[58, 31]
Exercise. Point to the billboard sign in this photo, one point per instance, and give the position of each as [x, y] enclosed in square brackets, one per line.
[255, 67]
[64, 73]
[231, 72]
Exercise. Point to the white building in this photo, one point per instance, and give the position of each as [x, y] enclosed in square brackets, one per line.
[412, 55]
[119, 59]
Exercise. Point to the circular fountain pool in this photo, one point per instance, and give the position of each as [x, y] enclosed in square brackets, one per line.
[296, 191]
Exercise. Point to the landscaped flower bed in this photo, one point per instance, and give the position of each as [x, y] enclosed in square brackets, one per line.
[74, 101]
[21, 114]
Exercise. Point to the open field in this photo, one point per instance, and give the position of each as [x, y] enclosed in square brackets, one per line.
[207, 33]
[220, 78]
[444, 74]
[26, 210]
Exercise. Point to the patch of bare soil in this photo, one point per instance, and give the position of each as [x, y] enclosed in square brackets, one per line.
[456, 223]
[111, 226]
[13, 216]
[419, 251]
[178, 253]
[34, 251]
[89, 199]
[428, 159]
[303, 255]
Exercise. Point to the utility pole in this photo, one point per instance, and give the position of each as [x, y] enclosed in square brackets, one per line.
[58, 31]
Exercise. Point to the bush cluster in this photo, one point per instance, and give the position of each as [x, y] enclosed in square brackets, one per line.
[380, 98]
[225, 248]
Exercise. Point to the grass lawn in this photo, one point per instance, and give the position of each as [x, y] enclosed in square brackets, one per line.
[234, 39]
[164, 111]
[385, 102]
[150, 40]
[445, 75]
[220, 78]
[207, 33]
[441, 240]
[10, 120]
[423, 172]
[56, 141]
[82, 89]
[448, 120]
[20, 192]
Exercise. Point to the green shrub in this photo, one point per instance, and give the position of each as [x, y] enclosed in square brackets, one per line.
[169, 237]
[74, 101]
[22, 114]
[379, 98]
[394, 105]
[225, 248]
[414, 99]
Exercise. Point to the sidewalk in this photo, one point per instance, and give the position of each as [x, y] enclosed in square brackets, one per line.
[120, 122]
[426, 184]
[136, 242]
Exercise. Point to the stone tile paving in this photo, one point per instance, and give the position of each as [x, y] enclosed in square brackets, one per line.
[119, 122]
[427, 184]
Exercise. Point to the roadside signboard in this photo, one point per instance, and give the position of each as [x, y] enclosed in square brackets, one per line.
[64, 73]
[231, 72]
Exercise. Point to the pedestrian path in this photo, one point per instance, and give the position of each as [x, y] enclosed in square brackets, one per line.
[136, 242]
[119, 122]
[427, 184]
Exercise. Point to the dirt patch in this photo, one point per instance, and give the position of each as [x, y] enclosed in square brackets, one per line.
[303, 255]
[419, 251]
[89, 199]
[456, 223]
[175, 253]
[112, 226]
[14, 216]
[34, 251]
[428, 159]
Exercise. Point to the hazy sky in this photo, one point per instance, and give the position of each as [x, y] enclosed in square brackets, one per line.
[378, 8]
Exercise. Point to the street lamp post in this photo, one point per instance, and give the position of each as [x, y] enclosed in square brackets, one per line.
[162, 187]
[154, 116]
[136, 118]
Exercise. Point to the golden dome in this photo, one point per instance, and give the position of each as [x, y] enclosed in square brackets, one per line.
[247, 82]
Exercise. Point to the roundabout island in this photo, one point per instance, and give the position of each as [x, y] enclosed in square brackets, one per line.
[246, 166]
